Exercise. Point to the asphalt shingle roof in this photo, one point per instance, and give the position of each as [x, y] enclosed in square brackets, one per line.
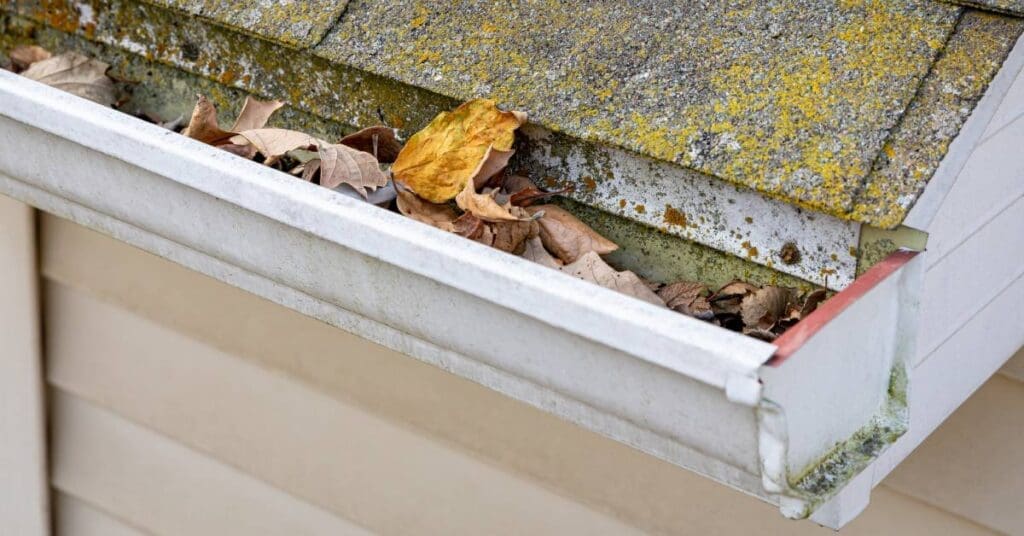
[842, 106]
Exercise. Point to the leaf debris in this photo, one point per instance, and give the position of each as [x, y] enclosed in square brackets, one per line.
[450, 175]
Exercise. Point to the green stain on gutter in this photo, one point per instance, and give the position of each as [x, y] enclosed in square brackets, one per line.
[876, 244]
[847, 459]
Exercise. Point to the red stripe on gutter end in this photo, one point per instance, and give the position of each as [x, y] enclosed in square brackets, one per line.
[789, 342]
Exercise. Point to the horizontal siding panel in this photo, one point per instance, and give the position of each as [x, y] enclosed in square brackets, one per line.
[315, 447]
[156, 484]
[970, 277]
[650, 494]
[978, 451]
[74, 517]
[989, 183]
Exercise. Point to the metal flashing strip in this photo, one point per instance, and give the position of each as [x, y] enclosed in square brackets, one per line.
[698, 207]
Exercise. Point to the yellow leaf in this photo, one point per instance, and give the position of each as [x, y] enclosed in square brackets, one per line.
[455, 148]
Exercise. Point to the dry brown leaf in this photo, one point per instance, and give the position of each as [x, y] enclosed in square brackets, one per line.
[758, 333]
[245, 151]
[486, 207]
[25, 55]
[493, 162]
[511, 236]
[812, 301]
[591, 267]
[76, 74]
[203, 126]
[410, 205]
[255, 114]
[273, 143]
[508, 236]
[471, 227]
[516, 183]
[688, 298]
[534, 251]
[765, 307]
[566, 236]
[525, 198]
[379, 141]
[523, 192]
[453, 149]
[341, 164]
[309, 169]
[728, 298]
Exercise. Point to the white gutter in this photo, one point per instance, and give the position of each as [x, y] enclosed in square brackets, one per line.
[677, 388]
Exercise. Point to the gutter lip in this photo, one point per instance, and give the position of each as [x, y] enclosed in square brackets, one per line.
[671, 341]
[794, 338]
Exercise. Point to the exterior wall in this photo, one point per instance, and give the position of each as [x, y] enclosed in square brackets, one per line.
[244, 411]
[24, 508]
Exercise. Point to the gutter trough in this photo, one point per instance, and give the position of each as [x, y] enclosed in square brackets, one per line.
[792, 422]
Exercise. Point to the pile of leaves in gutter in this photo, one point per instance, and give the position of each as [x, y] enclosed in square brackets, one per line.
[451, 175]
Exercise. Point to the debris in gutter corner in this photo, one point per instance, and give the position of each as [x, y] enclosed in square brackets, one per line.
[451, 175]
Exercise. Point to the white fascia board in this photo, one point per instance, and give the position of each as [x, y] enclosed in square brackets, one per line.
[927, 205]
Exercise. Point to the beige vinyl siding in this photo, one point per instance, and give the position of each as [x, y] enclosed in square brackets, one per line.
[1014, 368]
[154, 367]
[971, 465]
[24, 505]
[71, 515]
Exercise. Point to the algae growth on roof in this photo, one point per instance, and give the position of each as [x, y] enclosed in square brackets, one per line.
[294, 23]
[791, 97]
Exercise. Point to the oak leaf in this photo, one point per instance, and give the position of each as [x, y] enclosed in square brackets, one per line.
[75, 74]
[566, 236]
[464, 145]
[380, 141]
[591, 267]
[341, 164]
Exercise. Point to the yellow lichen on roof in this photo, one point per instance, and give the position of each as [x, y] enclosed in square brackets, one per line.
[791, 97]
[299, 24]
[945, 100]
